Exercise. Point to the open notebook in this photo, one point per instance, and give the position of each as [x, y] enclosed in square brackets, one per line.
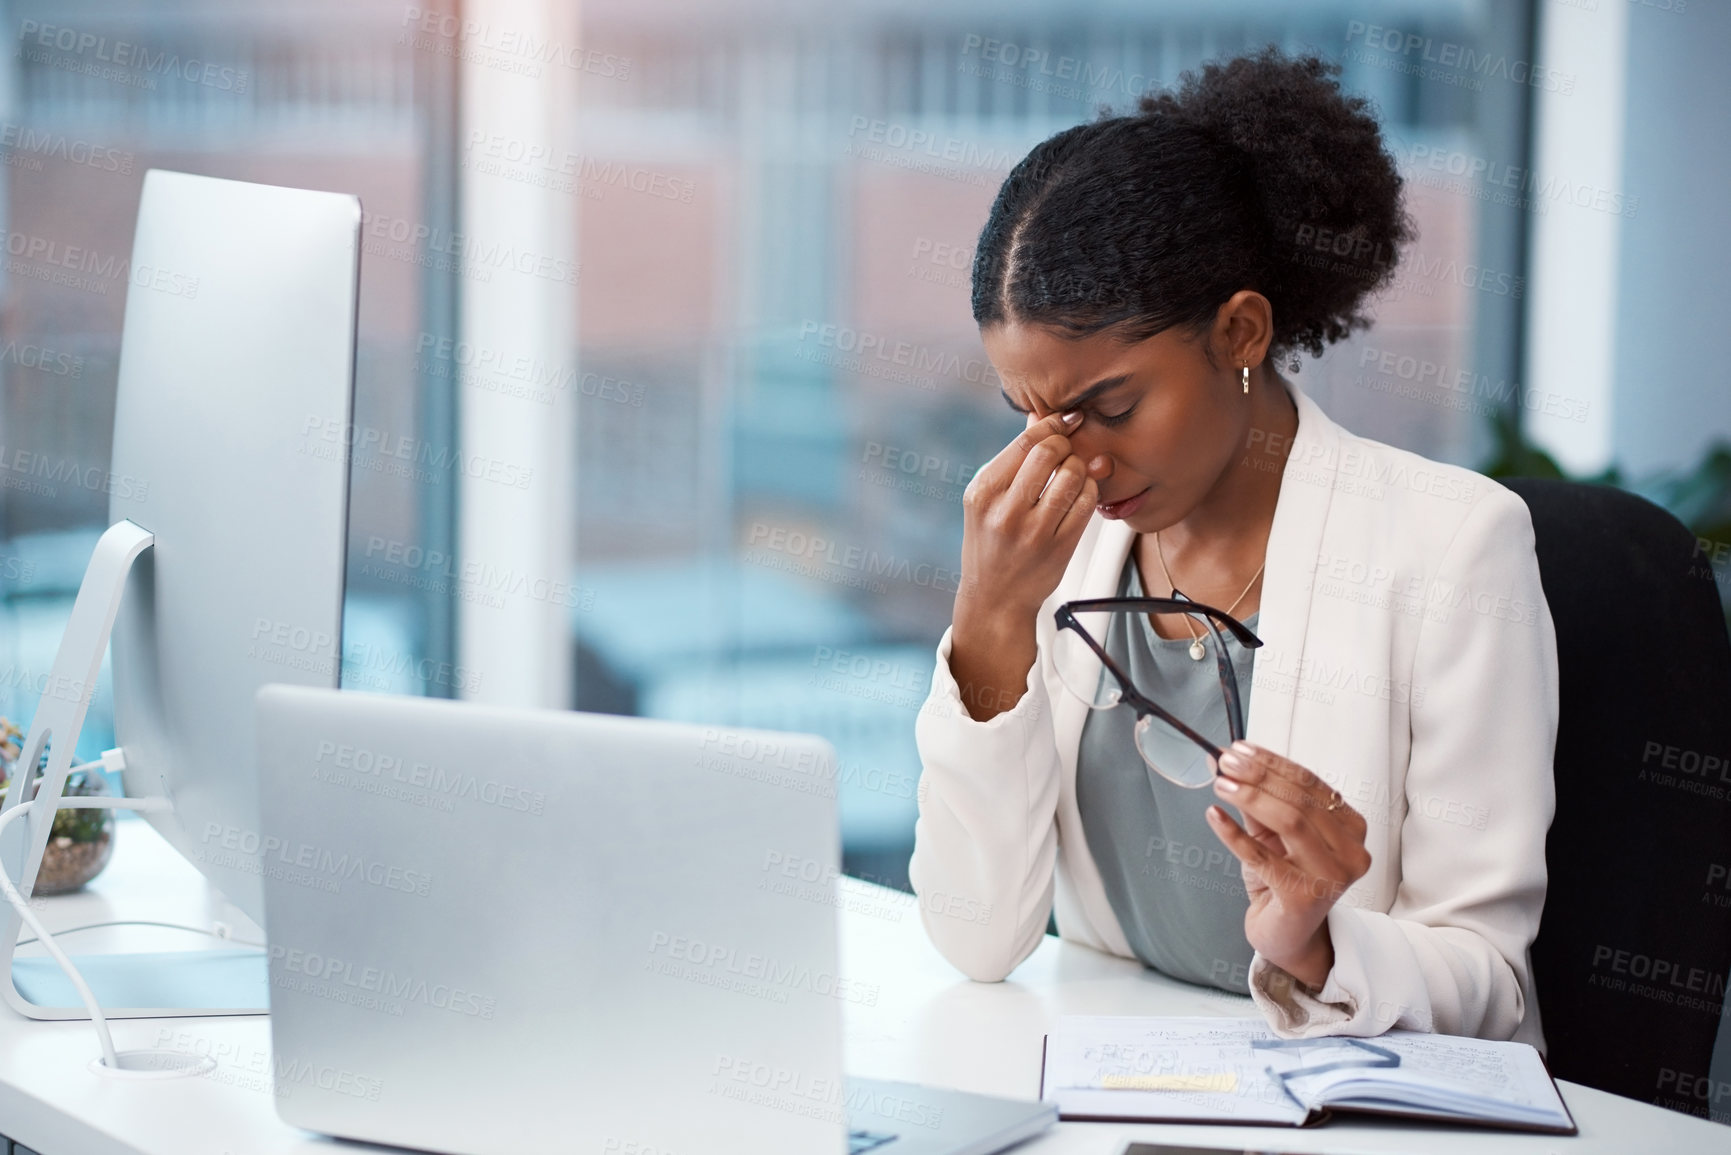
[1235, 1071]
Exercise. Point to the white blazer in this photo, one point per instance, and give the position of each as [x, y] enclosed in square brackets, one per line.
[1409, 660]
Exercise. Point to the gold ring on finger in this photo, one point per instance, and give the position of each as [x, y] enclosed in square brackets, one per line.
[1335, 801]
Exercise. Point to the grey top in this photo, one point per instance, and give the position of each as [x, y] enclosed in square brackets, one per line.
[1174, 886]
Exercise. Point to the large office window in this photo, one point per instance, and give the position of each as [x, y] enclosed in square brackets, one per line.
[323, 95]
[784, 392]
[777, 389]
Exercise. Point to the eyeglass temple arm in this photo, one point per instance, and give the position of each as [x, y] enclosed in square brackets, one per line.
[1228, 683]
[1138, 701]
[1066, 619]
[1163, 606]
[1148, 705]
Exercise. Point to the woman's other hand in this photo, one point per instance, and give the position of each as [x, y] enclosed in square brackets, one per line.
[1301, 846]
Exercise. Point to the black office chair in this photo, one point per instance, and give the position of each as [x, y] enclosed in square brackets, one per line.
[1634, 947]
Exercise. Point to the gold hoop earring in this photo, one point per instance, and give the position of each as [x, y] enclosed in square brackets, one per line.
[1247, 378]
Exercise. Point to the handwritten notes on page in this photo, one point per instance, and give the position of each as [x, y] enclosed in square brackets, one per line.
[1198, 1069]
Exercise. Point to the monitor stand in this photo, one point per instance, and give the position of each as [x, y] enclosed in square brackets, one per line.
[175, 984]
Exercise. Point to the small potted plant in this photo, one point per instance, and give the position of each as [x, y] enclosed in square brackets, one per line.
[80, 841]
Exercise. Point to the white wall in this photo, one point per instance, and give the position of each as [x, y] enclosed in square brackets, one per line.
[523, 312]
[1571, 310]
[1629, 291]
[1674, 291]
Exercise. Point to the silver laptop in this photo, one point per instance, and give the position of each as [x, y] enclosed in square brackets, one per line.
[497, 930]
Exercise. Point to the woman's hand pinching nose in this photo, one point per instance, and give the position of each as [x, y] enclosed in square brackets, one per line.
[1022, 515]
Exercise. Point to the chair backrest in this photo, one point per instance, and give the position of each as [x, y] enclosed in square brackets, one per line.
[1634, 947]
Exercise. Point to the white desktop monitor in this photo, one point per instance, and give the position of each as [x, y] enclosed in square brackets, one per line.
[235, 398]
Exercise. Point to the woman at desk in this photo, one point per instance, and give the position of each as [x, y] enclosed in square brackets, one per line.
[1370, 853]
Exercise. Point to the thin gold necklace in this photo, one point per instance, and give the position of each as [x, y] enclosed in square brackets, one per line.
[1198, 650]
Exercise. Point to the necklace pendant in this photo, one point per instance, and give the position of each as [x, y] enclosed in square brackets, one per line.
[1198, 651]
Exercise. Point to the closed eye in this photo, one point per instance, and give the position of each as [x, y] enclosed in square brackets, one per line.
[1012, 404]
[1113, 419]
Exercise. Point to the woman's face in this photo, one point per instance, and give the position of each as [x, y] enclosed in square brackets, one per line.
[1160, 424]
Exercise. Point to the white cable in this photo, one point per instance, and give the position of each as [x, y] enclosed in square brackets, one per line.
[24, 912]
[113, 761]
[53, 949]
[222, 932]
[106, 802]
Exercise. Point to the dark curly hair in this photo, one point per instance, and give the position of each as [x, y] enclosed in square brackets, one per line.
[1259, 173]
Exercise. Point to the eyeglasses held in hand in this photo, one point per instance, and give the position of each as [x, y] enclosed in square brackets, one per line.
[1086, 628]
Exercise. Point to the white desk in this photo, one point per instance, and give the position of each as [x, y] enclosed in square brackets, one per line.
[929, 1025]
